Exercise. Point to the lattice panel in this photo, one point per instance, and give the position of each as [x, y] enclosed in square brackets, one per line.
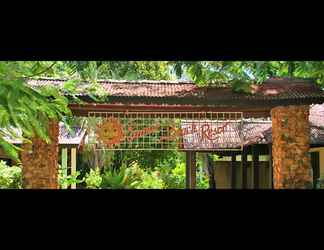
[166, 130]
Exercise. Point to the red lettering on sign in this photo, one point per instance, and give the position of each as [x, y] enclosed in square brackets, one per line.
[206, 131]
[143, 132]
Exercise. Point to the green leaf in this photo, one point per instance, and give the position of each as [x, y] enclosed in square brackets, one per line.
[241, 86]
[9, 149]
[70, 86]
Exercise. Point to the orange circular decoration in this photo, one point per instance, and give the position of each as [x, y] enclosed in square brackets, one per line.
[110, 132]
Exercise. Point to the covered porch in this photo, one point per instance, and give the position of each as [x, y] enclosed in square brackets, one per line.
[286, 101]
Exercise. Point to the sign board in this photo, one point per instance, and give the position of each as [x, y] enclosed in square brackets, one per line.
[166, 130]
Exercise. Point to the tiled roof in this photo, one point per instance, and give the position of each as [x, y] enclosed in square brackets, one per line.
[150, 89]
[260, 132]
[73, 137]
[287, 88]
[144, 88]
[274, 90]
[256, 132]
[316, 117]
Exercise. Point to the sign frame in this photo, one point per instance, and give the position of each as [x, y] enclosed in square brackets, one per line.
[145, 130]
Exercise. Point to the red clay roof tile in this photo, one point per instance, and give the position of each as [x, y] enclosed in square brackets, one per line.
[175, 92]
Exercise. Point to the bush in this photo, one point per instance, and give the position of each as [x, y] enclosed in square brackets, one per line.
[138, 177]
[319, 184]
[67, 180]
[149, 180]
[93, 179]
[176, 178]
[10, 177]
[118, 179]
[125, 178]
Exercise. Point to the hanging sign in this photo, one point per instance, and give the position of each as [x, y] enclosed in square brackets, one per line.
[167, 131]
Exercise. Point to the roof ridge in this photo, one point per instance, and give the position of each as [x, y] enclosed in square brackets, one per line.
[145, 81]
[290, 80]
[117, 81]
[48, 79]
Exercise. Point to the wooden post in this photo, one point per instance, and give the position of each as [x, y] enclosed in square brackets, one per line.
[233, 184]
[190, 169]
[73, 165]
[209, 165]
[315, 161]
[270, 166]
[256, 167]
[244, 167]
[64, 162]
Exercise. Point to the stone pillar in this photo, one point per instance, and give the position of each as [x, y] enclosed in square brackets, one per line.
[291, 137]
[40, 161]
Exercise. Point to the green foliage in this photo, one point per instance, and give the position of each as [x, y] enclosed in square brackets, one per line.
[175, 178]
[8, 148]
[135, 171]
[147, 179]
[93, 179]
[125, 178]
[126, 70]
[67, 180]
[319, 184]
[151, 181]
[241, 86]
[120, 179]
[213, 72]
[201, 72]
[24, 108]
[10, 177]
[110, 179]
[150, 159]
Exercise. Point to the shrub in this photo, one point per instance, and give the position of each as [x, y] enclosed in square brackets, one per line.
[319, 184]
[10, 177]
[124, 178]
[145, 178]
[150, 180]
[175, 178]
[67, 180]
[93, 179]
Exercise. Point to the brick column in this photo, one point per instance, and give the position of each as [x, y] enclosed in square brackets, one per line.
[40, 161]
[290, 135]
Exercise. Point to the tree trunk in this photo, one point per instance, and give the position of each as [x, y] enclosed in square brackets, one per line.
[40, 161]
